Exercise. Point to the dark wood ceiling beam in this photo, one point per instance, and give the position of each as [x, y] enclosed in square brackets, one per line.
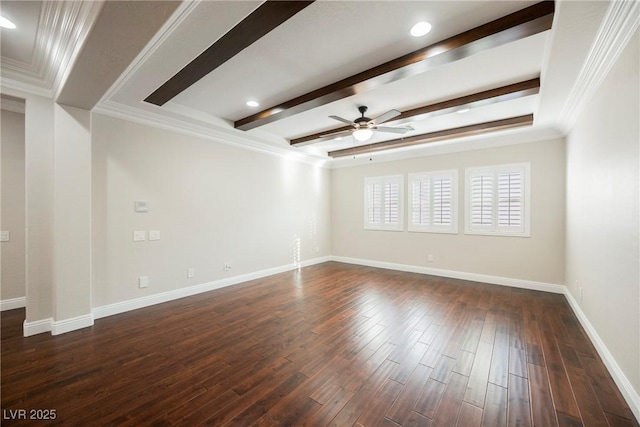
[492, 96]
[526, 22]
[441, 135]
[265, 18]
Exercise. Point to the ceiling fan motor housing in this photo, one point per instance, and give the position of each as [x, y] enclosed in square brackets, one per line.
[362, 121]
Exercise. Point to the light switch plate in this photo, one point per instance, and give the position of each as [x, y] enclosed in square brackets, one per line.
[191, 272]
[139, 236]
[4, 236]
[141, 206]
[154, 235]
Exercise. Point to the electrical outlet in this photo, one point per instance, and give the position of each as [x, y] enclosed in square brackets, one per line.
[154, 235]
[139, 236]
[227, 266]
[191, 272]
[4, 236]
[430, 258]
[143, 282]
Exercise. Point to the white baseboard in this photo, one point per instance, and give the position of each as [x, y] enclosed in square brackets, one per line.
[121, 307]
[474, 277]
[36, 327]
[12, 303]
[68, 325]
[630, 395]
[56, 327]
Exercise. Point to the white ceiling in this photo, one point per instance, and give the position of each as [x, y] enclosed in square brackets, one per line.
[324, 43]
[37, 55]
[331, 40]
[19, 45]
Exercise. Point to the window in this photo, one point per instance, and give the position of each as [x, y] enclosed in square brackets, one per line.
[497, 200]
[383, 203]
[433, 200]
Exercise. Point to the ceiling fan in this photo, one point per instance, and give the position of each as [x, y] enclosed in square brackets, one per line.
[363, 127]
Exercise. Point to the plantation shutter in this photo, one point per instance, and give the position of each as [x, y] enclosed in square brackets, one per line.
[498, 200]
[482, 200]
[374, 205]
[510, 199]
[383, 203]
[420, 201]
[442, 202]
[391, 202]
[432, 201]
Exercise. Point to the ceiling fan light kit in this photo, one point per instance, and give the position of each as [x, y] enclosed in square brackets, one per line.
[363, 127]
[362, 134]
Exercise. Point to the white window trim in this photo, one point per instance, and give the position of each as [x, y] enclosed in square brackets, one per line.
[453, 175]
[382, 226]
[494, 229]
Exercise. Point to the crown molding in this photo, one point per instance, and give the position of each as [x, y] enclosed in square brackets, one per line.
[23, 75]
[10, 65]
[9, 84]
[62, 29]
[72, 37]
[178, 16]
[237, 139]
[12, 105]
[620, 22]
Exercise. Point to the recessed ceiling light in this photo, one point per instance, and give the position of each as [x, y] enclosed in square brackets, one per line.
[464, 110]
[252, 103]
[5, 23]
[337, 138]
[420, 29]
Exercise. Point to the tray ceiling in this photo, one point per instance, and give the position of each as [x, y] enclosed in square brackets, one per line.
[327, 41]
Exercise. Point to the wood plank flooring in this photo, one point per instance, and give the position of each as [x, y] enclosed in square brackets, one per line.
[332, 344]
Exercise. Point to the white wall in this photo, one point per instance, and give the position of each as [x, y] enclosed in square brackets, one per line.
[603, 236]
[56, 184]
[12, 283]
[537, 258]
[72, 213]
[212, 202]
[39, 172]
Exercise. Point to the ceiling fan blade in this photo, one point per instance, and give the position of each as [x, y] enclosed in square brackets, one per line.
[340, 119]
[393, 130]
[336, 134]
[386, 116]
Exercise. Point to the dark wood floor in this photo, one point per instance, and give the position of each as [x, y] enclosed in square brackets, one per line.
[332, 344]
